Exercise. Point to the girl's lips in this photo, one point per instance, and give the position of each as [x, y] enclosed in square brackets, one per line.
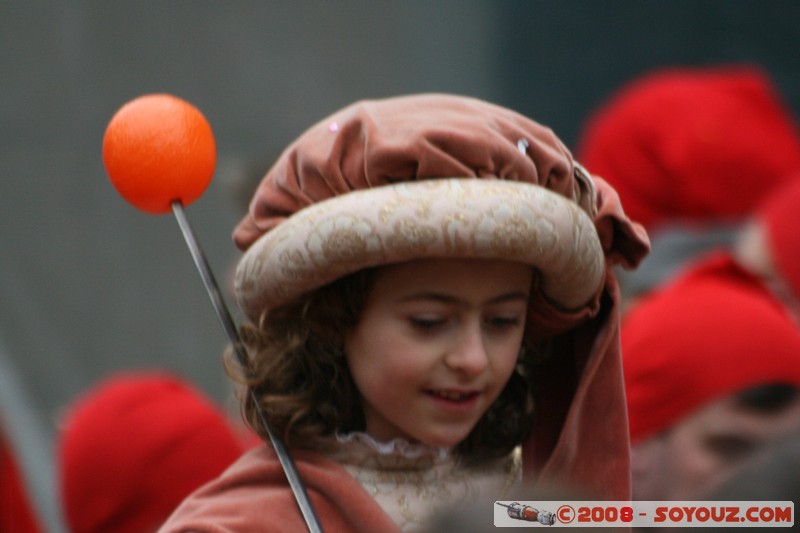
[454, 401]
[452, 395]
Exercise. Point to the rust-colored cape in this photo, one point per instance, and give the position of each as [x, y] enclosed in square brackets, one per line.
[253, 497]
[580, 436]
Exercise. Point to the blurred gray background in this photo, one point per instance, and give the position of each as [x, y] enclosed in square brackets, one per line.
[91, 286]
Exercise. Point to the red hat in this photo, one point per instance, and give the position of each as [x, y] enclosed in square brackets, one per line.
[781, 216]
[16, 512]
[712, 332]
[134, 447]
[692, 145]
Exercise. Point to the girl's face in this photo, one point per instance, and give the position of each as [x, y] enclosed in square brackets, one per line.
[435, 344]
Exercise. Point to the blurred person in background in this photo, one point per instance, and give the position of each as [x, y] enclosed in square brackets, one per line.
[769, 244]
[712, 370]
[135, 445]
[773, 477]
[17, 515]
[691, 151]
[768, 479]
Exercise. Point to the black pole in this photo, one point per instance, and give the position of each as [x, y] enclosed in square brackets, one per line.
[232, 333]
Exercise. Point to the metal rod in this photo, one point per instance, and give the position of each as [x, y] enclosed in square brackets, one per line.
[296, 484]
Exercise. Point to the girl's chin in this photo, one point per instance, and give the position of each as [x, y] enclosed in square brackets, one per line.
[441, 441]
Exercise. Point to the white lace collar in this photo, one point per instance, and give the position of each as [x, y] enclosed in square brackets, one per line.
[395, 447]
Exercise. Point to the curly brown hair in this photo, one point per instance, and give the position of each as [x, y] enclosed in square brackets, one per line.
[297, 368]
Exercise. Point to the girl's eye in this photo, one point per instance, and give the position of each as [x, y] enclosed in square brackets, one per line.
[503, 322]
[426, 324]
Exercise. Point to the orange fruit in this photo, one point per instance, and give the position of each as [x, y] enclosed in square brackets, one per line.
[158, 149]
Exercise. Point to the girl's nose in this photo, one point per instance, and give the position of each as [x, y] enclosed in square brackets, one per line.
[468, 354]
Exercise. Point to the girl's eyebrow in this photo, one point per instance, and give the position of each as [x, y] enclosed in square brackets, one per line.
[451, 299]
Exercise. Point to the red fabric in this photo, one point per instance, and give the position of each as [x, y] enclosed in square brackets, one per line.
[134, 447]
[692, 145]
[781, 215]
[714, 331]
[16, 512]
[253, 497]
[581, 412]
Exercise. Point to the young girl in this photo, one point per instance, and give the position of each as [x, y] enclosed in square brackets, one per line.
[433, 318]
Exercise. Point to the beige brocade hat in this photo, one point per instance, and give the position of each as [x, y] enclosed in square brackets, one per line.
[425, 176]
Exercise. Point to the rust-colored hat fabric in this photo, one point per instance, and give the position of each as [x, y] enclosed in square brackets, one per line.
[380, 142]
[580, 437]
[134, 446]
[692, 145]
[713, 331]
[781, 217]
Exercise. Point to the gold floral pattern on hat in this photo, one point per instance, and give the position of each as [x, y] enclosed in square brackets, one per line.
[442, 218]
